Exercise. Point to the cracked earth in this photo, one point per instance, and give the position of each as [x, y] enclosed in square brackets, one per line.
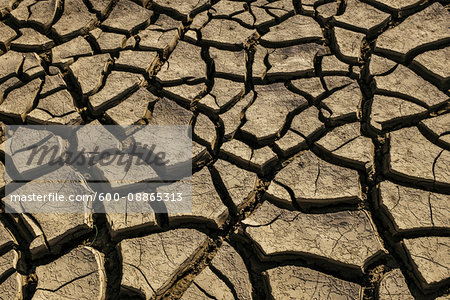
[321, 146]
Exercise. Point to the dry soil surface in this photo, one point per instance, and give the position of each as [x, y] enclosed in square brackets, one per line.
[321, 158]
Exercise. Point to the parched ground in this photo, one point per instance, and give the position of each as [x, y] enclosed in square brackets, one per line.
[321, 155]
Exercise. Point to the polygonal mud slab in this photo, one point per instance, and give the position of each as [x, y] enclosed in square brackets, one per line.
[362, 16]
[117, 86]
[135, 61]
[393, 286]
[20, 101]
[343, 237]
[126, 17]
[184, 62]
[6, 238]
[75, 20]
[52, 231]
[347, 144]
[77, 273]
[132, 109]
[413, 208]
[316, 182]
[167, 112]
[181, 6]
[238, 182]
[293, 59]
[387, 111]
[150, 262]
[262, 111]
[31, 40]
[429, 62]
[407, 85]
[282, 34]
[66, 53]
[89, 72]
[349, 44]
[207, 205]
[58, 108]
[291, 282]
[208, 285]
[424, 27]
[343, 102]
[225, 33]
[11, 287]
[110, 41]
[156, 38]
[431, 258]
[414, 156]
[121, 224]
[7, 35]
[228, 262]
